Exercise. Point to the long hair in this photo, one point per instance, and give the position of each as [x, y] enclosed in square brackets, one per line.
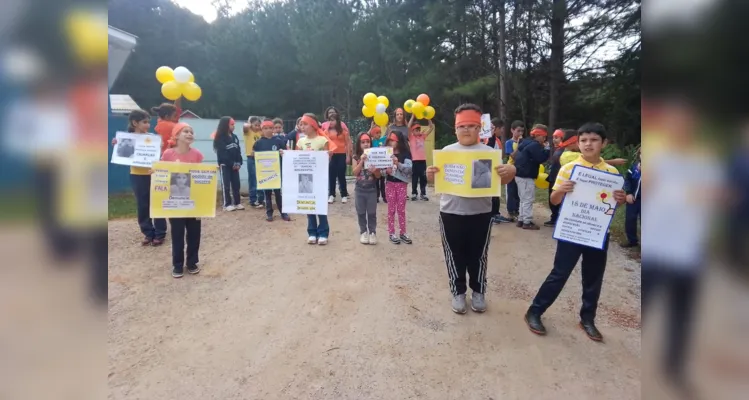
[136, 116]
[358, 151]
[222, 131]
[405, 120]
[338, 124]
[402, 145]
[165, 110]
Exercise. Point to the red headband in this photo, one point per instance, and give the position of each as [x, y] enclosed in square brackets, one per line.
[401, 110]
[267, 124]
[538, 132]
[393, 137]
[365, 137]
[558, 133]
[468, 117]
[375, 130]
[569, 141]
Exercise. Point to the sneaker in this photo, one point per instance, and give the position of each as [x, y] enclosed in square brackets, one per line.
[394, 239]
[322, 241]
[239, 207]
[531, 226]
[258, 205]
[424, 197]
[505, 219]
[405, 239]
[519, 224]
[496, 220]
[311, 240]
[550, 223]
[146, 241]
[364, 238]
[193, 269]
[230, 208]
[344, 199]
[177, 272]
[413, 197]
[285, 217]
[331, 199]
[157, 242]
[478, 302]
[459, 304]
[269, 218]
[372, 238]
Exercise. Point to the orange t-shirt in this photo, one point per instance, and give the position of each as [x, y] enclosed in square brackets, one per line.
[338, 140]
[164, 129]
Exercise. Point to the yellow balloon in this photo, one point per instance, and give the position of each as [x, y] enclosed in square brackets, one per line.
[367, 112]
[384, 100]
[191, 91]
[419, 115]
[541, 181]
[541, 169]
[171, 90]
[429, 112]
[381, 119]
[164, 74]
[370, 100]
[418, 108]
[408, 104]
[192, 78]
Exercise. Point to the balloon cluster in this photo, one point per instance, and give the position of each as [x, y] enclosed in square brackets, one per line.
[376, 107]
[178, 82]
[541, 182]
[420, 107]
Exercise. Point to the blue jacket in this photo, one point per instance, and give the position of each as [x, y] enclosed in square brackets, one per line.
[632, 180]
[531, 155]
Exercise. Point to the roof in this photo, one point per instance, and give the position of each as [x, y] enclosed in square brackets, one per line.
[186, 112]
[122, 103]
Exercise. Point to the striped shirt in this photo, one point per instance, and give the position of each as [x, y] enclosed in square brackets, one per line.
[566, 170]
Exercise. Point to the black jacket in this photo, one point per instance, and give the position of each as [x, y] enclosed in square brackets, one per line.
[632, 179]
[531, 155]
[555, 165]
[228, 151]
[493, 141]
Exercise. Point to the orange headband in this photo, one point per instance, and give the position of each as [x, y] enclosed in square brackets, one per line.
[468, 117]
[267, 124]
[375, 130]
[569, 141]
[393, 137]
[175, 131]
[558, 133]
[365, 137]
[310, 121]
[538, 132]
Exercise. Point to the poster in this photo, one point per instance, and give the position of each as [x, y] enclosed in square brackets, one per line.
[379, 157]
[136, 149]
[305, 182]
[81, 198]
[486, 126]
[183, 190]
[268, 167]
[586, 213]
[467, 173]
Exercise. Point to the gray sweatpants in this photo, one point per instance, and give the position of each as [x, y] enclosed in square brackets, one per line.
[365, 201]
[527, 194]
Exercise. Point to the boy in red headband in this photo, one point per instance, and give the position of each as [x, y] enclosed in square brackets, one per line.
[530, 155]
[465, 223]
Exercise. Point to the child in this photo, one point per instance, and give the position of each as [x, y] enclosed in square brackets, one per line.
[339, 135]
[632, 186]
[278, 127]
[559, 146]
[154, 231]
[378, 140]
[271, 143]
[465, 223]
[229, 155]
[557, 138]
[365, 191]
[511, 146]
[591, 139]
[168, 116]
[252, 133]
[396, 186]
[495, 142]
[182, 139]
[528, 158]
[417, 141]
[314, 140]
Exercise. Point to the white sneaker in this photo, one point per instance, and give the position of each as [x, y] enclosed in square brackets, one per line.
[322, 241]
[239, 207]
[229, 208]
[311, 240]
[372, 238]
[344, 199]
[364, 238]
[331, 199]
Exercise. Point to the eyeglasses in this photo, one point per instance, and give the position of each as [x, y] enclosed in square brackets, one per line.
[467, 128]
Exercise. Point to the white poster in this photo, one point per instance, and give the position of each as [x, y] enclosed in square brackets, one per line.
[136, 149]
[586, 213]
[486, 126]
[379, 157]
[305, 182]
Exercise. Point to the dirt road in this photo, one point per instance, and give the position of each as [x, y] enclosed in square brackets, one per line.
[271, 317]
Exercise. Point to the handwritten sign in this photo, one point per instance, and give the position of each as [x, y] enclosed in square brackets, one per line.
[379, 157]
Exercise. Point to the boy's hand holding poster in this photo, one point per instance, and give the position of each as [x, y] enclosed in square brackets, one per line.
[587, 211]
[183, 190]
[268, 167]
[305, 182]
[136, 149]
[379, 157]
[467, 173]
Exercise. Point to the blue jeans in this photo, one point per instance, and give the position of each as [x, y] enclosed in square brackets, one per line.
[252, 178]
[630, 221]
[317, 229]
[513, 198]
[151, 228]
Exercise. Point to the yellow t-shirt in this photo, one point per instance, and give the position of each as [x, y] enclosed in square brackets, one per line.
[140, 170]
[566, 170]
[249, 141]
[316, 144]
[568, 156]
[511, 160]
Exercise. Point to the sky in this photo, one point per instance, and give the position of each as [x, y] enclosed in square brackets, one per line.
[205, 8]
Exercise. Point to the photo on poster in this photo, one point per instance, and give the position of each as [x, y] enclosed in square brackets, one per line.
[481, 177]
[136, 149]
[180, 185]
[126, 148]
[306, 183]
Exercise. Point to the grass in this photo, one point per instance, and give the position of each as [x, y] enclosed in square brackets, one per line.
[122, 206]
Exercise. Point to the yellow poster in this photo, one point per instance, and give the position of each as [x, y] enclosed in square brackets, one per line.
[82, 189]
[268, 167]
[467, 173]
[183, 190]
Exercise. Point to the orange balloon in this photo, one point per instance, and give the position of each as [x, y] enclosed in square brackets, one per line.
[423, 99]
